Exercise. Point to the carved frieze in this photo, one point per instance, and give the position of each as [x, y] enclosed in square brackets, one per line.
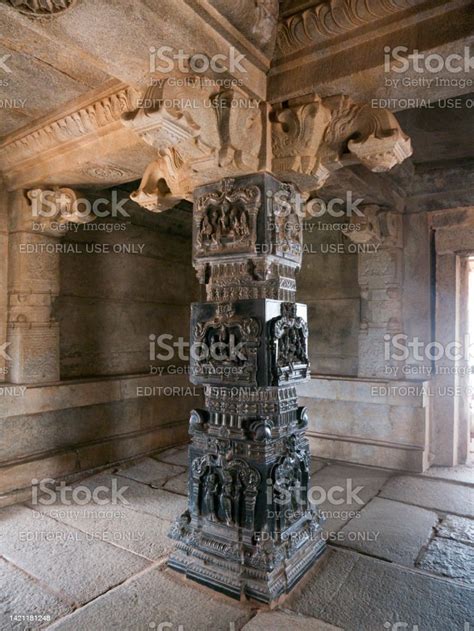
[86, 120]
[225, 490]
[329, 18]
[287, 223]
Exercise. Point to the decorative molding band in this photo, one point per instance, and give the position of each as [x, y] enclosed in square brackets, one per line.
[85, 120]
[330, 18]
[42, 8]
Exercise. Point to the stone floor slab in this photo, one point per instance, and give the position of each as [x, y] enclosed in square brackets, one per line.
[137, 532]
[176, 455]
[153, 598]
[316, 465]
[341, 491]
[140, 497]
[283, 621]
[179, 484]
[437, 495]
[458, 528]
[449, 558]
[389, 530]
[66, 559]
[462, 473]
[358, 593]
[22, 596]
[151, 471]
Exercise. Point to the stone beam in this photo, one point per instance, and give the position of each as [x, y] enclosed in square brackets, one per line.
[326, 48]
[130, 57]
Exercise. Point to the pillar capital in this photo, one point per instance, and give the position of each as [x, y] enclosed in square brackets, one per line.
[376, 226]
[202, 133]
[313, 136]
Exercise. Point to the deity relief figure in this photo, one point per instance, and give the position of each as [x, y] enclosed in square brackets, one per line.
[227, 498]
[210, 493]
[225, 220]
[224, 226]
[290, 482]
[289, 334]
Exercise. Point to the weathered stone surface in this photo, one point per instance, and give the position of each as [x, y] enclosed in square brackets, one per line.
[458, 528]
[152, 598]
[279, 620]
[23, 596]
[316, 465]
[62, 556]
[140, 497]
[177, 456]
[140, 533]
[362, 594]
[461, 473]
[389, 530]
[178, 484]
[449, 558]
[151, 472]
[434, 494]
[337, 493]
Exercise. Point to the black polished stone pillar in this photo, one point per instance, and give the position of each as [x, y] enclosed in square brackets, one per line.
[249, 528]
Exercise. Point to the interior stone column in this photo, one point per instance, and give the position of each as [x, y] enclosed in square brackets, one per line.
[4, 363]
[380, 275]
[33, 281]
[249, 528]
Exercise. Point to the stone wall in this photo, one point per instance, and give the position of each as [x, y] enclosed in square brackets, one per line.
[369, 422]
[135, 283]
[63, 430]
[328, 284]
[116, 288]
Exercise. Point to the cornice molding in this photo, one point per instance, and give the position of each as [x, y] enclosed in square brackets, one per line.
[330, 18]
[77, 123]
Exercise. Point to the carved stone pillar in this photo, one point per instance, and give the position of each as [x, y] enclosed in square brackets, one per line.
[380, 273]
[33, 282]
[249, 528]
[4, 367]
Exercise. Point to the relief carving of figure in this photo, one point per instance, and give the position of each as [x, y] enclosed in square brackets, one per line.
[210, 493]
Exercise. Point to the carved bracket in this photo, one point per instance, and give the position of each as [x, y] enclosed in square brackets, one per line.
[312, 137]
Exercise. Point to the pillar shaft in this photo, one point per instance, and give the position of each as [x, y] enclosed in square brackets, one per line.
[249, 528]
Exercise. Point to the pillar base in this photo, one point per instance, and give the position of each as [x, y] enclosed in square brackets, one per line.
[239, 570]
